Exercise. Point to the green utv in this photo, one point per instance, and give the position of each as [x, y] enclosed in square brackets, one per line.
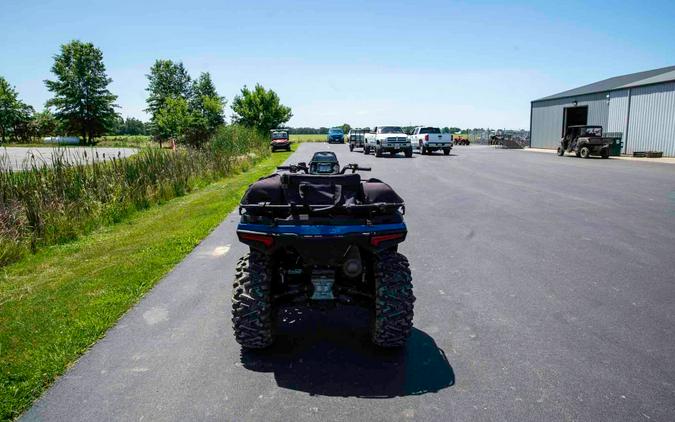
[585, 141]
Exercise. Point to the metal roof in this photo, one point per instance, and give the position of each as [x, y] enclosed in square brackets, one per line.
[648, 77]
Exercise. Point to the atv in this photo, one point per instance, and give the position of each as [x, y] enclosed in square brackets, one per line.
[320, 236]
[585, 141]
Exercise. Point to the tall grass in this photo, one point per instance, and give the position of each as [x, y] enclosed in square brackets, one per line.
[44, 204]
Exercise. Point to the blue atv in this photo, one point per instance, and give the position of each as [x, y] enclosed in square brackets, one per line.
[319, 235]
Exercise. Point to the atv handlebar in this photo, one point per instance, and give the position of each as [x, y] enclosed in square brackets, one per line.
[295, 168]
[302, 167]
[353, 167]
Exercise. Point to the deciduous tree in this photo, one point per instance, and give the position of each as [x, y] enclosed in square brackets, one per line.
[260, 108]
[173, 119]
[207, 108]
[166, 80]
[82, 101]
[15, 115]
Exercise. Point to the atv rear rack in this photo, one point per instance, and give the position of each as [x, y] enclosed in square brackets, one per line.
[296, 209]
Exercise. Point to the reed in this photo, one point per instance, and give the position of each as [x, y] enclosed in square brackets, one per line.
[45, 204]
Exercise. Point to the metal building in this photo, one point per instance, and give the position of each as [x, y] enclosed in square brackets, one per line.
[640, 108]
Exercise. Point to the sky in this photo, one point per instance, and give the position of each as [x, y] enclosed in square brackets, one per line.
[444, 63]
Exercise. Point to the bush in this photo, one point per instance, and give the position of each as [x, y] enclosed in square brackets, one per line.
[48, 204]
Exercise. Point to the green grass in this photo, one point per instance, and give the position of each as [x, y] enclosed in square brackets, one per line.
[126, 141]
[55, 304]
[116, 141]
[308, 138]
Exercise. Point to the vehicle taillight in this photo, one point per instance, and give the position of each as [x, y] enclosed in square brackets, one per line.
[376, 240]
[426, 137]
[265, 239]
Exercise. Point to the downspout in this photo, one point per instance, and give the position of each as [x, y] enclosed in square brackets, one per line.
[625, 132]
[530, 143]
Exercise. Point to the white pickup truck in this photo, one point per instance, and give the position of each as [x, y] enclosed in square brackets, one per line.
[389, 139]
[428, 139]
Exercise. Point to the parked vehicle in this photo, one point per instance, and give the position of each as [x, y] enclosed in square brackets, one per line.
[279, 140]
[389, 139]
[318, 236]
[585, 141]
[335, 136]
[458, 139]
[356, 138]
[428, 139]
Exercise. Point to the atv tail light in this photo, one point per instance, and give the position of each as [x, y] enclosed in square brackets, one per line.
[265, 239]
[376, 240]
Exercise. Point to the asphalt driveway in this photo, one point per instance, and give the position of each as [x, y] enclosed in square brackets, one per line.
[545, 291]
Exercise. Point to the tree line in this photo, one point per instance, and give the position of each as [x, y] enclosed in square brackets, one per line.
[186, 110]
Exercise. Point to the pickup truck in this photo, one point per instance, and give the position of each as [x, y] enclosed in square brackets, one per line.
[428, 139]
[389, 139]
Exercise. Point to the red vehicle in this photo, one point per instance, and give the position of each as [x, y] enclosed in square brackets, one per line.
[280, 140]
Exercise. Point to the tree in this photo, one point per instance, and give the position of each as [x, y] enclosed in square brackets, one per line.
[173, 119]
[346, 127]
[130, 126]
[134, 126]
[15, 115]
[260, 108]
[207, 108]
[166, 80]
[44, 123]
[83, 103]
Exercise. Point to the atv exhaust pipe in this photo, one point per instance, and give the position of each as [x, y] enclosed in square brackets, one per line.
[352, 267]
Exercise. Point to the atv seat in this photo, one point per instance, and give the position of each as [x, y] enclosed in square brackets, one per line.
[283, 195]
[329, 190]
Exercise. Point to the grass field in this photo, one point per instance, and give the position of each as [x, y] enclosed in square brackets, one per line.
[308, 138]
[124, 141]
[55, 304]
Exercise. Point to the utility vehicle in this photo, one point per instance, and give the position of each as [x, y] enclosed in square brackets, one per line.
[320, 236]
[585, 141]
[356, 138]
[279, 139]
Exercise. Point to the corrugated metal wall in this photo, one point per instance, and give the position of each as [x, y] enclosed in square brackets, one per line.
[618, 111]
[652, 119]
[547, 117]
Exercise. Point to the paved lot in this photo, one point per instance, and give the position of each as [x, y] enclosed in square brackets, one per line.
[18, 157]
[545, 286]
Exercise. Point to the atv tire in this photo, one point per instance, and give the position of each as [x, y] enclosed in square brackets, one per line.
[584, 152]
[394, 300]
[605, 153]
[561, 151]
[252, 301]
